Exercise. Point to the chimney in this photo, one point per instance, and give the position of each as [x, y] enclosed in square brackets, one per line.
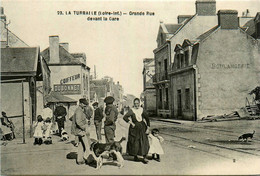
[228, 19]
[182, 18]
[65, 46]
[257, 25]
[54, 49]
[205, 7]
[2, 15]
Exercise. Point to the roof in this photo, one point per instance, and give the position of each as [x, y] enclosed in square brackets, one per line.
[182, 25]
[20, 61]
[207, 33]
[56, 97]
[249, 27]
[65, 56]
[172, 28]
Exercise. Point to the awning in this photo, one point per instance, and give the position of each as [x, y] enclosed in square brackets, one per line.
[56, 97]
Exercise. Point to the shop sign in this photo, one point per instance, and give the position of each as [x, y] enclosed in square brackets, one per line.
[67, 89]
[69, 79]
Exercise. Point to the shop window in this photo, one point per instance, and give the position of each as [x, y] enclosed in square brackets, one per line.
[187, 99]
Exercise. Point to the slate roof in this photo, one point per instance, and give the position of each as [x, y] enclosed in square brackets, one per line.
[172, 28]
[249, 27]
[65, 56]
[207, 33]
[22, 61]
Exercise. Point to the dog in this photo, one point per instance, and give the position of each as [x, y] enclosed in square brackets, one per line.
[246, 136]
[108, 150]
[64, 135]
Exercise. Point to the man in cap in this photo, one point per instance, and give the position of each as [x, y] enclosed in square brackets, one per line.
[80, 129]
[111, 117]
[98, 116]
[60, 116]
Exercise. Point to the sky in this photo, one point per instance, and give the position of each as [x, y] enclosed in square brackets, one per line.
[117, 48]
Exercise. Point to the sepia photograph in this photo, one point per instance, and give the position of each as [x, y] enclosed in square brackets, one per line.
[135, 87]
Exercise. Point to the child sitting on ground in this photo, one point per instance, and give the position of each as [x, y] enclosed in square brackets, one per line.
[38, 132]
[155, 144]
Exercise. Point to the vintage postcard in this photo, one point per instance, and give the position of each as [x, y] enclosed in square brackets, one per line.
[130, 87]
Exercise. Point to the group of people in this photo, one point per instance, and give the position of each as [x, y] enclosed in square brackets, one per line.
[48, 123]
[141, 140]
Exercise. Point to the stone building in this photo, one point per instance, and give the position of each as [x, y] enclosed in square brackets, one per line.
[149, 92]
[69, 71]
[169, 35]
[213, 74]
[189, 26]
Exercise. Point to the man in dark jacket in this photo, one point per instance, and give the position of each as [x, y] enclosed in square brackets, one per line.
[98, 116]
[80, 129]
[60, 115]
[111, 117]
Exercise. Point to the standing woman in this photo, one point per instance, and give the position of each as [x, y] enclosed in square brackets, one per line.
[138, 143]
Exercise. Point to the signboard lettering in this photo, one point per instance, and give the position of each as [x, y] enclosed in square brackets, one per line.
[67, 89]
[71, 78]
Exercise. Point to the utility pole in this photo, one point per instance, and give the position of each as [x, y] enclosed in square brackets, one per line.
[95, 73]
[7, 32]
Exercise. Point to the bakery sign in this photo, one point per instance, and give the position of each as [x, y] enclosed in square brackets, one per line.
[67, 89]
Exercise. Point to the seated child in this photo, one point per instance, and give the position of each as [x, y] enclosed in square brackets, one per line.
[38, 131]
[155, 144]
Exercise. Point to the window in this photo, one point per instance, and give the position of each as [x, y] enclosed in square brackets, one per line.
[178, 61]
[182, 60]
[160, 98]
[187, 99]
[186, 55]
[167, 99]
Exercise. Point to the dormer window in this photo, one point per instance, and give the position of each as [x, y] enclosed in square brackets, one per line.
[186, 56]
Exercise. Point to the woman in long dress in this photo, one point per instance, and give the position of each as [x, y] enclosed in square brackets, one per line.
[138, 143]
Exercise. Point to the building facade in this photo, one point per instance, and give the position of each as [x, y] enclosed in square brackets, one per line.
[169, 35]
[213, 74]
[149, 91]
[22, 71]
[101, 88]
[69, 72]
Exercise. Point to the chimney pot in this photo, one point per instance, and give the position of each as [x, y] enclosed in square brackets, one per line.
[228, 19]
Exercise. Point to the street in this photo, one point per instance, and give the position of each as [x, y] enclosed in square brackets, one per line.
[189, 147]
